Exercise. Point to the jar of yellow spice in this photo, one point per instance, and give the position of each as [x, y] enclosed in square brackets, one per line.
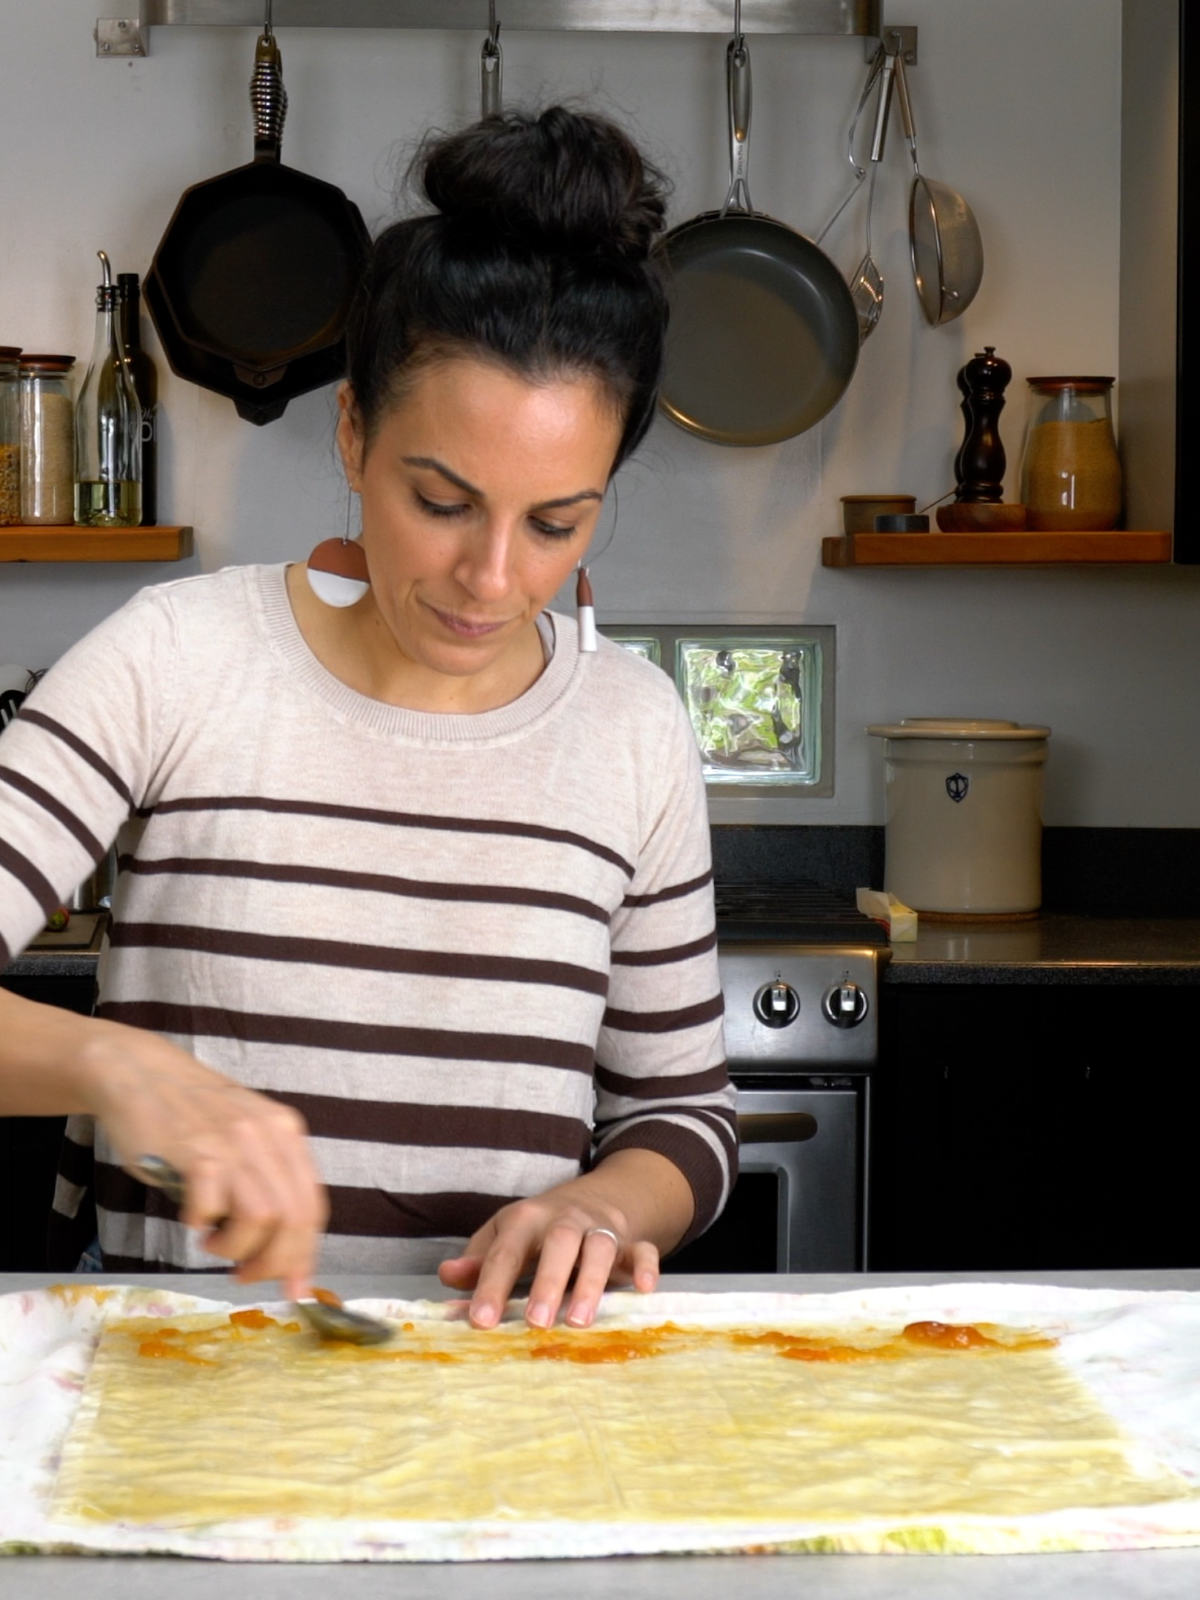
[1070, 470]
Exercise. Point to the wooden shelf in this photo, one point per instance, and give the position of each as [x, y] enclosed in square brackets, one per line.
[25, 543]
[1023, 548]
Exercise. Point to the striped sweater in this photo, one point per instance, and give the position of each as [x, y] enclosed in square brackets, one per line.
[475, 952]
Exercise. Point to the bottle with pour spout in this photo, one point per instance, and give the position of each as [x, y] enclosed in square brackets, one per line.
[108, 425]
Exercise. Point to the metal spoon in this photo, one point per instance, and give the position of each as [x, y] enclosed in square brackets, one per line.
[866, 286]
[328, 1318]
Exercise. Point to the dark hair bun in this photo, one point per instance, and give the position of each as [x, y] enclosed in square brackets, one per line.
[559, 180]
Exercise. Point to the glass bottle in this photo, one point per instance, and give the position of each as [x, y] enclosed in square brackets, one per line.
[47, 440]
[1070, 470]
[10, 437]
[108, 426]
[145, 385]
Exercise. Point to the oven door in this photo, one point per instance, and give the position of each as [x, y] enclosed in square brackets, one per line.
[799, 1202]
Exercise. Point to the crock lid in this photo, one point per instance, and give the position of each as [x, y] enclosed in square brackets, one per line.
[956, 728]
[38, 360]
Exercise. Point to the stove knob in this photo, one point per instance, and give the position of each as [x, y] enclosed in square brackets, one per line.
[845, 1006]
[777, 1004]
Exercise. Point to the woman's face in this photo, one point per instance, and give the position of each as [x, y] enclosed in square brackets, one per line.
[480, 490]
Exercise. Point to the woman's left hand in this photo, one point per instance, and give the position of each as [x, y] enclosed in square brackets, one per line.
[581, 1238]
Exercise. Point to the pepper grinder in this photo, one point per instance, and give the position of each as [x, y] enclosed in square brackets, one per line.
[980, 462]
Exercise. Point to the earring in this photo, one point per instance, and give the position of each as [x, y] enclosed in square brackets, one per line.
[337, 569]
[585, 610]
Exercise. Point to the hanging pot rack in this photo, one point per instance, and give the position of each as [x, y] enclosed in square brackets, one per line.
[130, 35]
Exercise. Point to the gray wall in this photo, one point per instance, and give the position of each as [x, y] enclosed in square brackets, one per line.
[1018, 104]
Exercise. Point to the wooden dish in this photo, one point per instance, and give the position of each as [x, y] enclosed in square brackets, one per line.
[980, 516]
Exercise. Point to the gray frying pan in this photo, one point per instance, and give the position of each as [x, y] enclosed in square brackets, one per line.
[763, 337]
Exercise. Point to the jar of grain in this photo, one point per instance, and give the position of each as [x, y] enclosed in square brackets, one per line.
[1070, 471]
[10, 436]
[47, 439]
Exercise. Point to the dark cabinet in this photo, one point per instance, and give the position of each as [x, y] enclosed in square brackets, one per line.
[1034, 1128]
[29, 1145]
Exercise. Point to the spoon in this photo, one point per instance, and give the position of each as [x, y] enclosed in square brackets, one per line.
[325, 1313]
[866, 286]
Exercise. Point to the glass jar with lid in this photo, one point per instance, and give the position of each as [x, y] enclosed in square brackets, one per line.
[10, 436]
[1070, 470]
[47, 440]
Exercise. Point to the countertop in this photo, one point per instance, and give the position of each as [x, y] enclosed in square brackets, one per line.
[1053, 948]
[1108, 1575]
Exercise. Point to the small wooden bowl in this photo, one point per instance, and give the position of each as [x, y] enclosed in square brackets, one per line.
[980, 516]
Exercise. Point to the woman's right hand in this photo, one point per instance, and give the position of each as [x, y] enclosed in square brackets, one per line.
[244, 1158]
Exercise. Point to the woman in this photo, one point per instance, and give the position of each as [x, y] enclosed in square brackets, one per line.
[422, 868]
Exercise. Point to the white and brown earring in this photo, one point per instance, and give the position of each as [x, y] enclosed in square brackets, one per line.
[337, 568]
[585, 609]
[585, 605]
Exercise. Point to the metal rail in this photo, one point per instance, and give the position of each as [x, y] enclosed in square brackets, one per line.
[129, 35]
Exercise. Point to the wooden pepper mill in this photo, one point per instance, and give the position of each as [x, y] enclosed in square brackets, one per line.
[980, 462]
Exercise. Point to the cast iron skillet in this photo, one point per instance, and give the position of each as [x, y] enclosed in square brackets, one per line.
[252, 282]
[763, 337]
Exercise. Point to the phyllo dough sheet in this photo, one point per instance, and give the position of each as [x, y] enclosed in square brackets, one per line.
[882, 1420]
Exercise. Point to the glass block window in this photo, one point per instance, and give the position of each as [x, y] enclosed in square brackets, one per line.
[760, 700]
[645, 645]
[754, 706]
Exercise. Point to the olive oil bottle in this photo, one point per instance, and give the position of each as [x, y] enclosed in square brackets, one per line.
[108, 426]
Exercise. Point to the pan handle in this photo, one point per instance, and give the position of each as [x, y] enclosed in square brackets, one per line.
[738, 90]
[491, 67]
[906, 116]
[268, 98]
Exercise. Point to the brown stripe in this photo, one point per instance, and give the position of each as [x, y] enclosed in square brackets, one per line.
[6, 955]
[43, 798]
[441, 1126]
[425, 821]
[74, 742]
[705, 1172]
[372, 1214]
[320, 1033]
[673, 891]
[723, 1124]
[23, 870]
[376, 882]
[116, 1190]
[664, 1021]
[661, 958]
[362, 957]
[664, 1088]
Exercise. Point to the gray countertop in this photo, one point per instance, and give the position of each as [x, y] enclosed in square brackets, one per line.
[1053, 948]
[1115, 1575]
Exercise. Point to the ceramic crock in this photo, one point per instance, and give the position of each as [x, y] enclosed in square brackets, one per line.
[963, 830]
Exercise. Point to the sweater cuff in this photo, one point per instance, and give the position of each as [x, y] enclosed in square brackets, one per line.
[708, 1177]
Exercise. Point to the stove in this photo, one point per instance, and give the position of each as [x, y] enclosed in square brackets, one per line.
[800, 973]
[799, 966]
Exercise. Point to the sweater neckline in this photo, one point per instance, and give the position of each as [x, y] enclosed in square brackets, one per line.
[559, 643]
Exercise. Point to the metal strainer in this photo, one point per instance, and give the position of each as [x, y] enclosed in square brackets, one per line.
[944, 241]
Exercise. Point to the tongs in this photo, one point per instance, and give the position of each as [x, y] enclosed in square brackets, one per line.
[325, 1314]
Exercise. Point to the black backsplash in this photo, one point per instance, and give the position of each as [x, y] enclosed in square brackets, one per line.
[1111, 872]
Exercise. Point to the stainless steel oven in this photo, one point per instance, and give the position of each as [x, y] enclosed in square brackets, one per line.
[800, 974]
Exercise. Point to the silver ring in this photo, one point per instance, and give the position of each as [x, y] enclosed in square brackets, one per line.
[607, 1232]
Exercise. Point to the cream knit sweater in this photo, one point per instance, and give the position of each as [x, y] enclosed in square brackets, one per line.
[476, 952]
